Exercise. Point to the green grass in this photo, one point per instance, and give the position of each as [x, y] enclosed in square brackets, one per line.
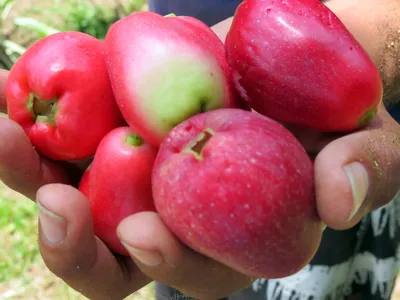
[18, 223]
[23, 274]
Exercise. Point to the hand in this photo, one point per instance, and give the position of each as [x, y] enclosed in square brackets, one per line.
[71, 250]
[354, 173]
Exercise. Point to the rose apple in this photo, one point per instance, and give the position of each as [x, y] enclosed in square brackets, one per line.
[238, 187]
[60, 93]
[164, 70]
[118, 183]
[295, 61]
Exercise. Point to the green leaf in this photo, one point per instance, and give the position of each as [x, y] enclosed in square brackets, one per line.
[41, 29]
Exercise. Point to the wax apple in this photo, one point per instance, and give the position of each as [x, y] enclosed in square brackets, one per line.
[118, 183]
[295, 61]
[60, 93]
[164, 70]
[238, 187]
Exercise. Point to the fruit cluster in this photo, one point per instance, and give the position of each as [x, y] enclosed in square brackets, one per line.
[180, 123]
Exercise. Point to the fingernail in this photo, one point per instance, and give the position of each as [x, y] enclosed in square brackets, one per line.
[148, 258]
[359, 181]
[3, 115]
[54, 227]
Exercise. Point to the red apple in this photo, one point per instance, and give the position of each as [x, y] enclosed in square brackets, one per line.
[296, 62]
[118, 183]
[238, 187]
[59, 92]
[164, 70]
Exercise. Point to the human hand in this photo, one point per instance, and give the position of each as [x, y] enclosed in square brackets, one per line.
[71, 250]
[355, 173]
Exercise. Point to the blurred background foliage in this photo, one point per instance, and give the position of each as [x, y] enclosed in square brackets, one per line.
[23, 274]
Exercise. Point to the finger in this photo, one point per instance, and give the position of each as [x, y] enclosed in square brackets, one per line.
[21, 168]
[358, 173]
[312, 141]
[221, 29]
[72, 252]
[3, 80]
[162, 257]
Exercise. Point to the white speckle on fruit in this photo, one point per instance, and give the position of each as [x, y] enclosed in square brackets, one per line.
[232, 215]
[258, 153]
[212, 204]
[253, 161]
[248, 185]
[246, 206]
[193, 226]
[201, 216]
[56, 67]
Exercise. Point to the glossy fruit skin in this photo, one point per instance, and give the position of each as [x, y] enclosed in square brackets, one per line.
[68, 68]
[164, 70]
[295, 61]
[248, 202]
[118, 184]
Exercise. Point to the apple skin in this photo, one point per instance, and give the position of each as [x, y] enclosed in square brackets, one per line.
[164, 70]
[117, 184]
[60, 93]
[247, 200]
[296, 62]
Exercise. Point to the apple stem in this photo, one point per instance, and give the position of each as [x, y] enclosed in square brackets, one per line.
[42, 110]
[134, 139]
[170, 15]
[366, 117]
[197, 146]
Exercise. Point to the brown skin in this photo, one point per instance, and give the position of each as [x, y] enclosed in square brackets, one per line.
[102, 276]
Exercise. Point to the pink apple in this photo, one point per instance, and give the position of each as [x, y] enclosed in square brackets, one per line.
[164, 70]
[238, 187]
[118, 183]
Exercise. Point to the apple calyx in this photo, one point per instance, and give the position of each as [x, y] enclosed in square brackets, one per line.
[42, 110]
[134, 140]
[196, 147]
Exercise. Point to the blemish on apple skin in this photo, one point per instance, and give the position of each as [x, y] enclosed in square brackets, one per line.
[246, 206]
[232, 216]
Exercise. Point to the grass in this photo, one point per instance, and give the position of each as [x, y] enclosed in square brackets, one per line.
[23, 274]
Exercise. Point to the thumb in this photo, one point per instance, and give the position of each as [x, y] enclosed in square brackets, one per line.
[161, 256]
[358, 173]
